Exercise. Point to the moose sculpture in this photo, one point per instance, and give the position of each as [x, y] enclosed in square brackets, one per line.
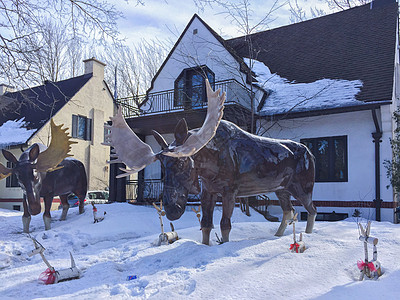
[47, 172]
[230, 162]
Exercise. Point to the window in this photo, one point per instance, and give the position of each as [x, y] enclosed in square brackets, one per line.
[17, 207]
[12, 180]
[81, 128]
[330, 158]
[190, 88]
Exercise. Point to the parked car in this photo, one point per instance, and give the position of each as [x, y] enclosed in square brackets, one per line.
[97, 197]
[73, 201]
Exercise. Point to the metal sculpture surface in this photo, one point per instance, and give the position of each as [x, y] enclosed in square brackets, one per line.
[47, 172]
[230, 162]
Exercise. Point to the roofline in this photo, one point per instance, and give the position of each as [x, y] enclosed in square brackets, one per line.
[242, 64]
[327, 111]
[301, 22]
[111, 94]
[52, 82]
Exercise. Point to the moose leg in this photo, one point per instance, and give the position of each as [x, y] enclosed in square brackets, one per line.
[65, 206]
[207, 208]
[306, 200]
[26, 217]
[46, 215]
[284, 201]
[81, 195]
[228, 204]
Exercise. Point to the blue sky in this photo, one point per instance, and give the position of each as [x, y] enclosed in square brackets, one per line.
[166, 19]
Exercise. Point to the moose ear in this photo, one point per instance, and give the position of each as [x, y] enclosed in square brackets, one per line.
[34, 153]
[9, 156]
[160, 140]
[181, 132]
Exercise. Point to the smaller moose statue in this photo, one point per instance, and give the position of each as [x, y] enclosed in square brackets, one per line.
[47, 172]
[371, 269]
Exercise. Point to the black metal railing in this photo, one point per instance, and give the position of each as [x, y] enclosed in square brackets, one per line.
[152, 191]
[163, 102]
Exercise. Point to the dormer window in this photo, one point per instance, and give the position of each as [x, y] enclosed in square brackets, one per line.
[190, 88]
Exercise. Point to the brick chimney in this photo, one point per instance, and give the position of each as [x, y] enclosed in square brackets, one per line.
[4, 88]
[94, 66]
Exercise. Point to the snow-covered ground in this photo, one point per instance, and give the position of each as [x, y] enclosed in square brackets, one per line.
[253, 265]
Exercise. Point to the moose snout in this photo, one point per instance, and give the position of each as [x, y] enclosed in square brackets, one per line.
[34, 209]
[174, 211]
[34, 206]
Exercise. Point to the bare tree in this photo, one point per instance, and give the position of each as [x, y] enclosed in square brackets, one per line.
[345, 4]
[135, 67]
[24, 22]
[299, 13]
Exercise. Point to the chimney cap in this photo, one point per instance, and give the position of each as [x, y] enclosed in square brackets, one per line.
[94, 59]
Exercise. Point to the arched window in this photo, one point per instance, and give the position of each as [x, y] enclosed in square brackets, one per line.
[190, 89]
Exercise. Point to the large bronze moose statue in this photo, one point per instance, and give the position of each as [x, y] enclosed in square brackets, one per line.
[230, 162]
[47, 172]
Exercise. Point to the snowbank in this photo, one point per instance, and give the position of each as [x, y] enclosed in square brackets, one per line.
[254, 265]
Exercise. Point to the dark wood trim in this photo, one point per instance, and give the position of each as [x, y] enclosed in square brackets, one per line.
[5, 200]
[337, 203]
[323, 112]
[166, 122]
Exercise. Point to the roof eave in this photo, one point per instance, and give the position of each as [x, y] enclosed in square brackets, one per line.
[326, 111]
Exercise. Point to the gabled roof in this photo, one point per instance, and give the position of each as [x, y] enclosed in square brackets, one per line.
[355, 44]
[38, 104]
[243, 66]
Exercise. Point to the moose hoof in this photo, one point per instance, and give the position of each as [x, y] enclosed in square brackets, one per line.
[225, 235]
[206, 235]
[47, 221]
[64, 212]
[310, 223]
[25, 223]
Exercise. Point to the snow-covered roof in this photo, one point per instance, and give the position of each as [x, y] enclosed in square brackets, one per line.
[285, 96]
[13, 132]
[357, 43]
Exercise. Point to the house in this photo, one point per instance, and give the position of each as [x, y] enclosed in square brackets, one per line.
[331, 83]
[83, 104]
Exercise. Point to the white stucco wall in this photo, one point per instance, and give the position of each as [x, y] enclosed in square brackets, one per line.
[358, 127]
[195, 50]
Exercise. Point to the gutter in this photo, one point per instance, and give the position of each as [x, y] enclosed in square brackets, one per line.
[377, 135]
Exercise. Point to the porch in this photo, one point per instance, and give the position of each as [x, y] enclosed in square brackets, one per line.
[161, 112]
[170, 101]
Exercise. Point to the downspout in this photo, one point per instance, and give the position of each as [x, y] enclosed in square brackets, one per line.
[377, 135]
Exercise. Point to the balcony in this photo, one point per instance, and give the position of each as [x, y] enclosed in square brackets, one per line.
[164, 102]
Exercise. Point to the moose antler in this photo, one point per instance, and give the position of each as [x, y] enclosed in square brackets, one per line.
[128, 147]
[4, 171]
[199, 139]
[58, 150]
[136, 154]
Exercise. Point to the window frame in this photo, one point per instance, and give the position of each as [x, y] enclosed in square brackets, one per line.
[87, 135]
[12, 180]
[187, 89]
[331, 157]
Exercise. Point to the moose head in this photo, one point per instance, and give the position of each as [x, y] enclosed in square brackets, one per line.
[35, 162]
[176, 159]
